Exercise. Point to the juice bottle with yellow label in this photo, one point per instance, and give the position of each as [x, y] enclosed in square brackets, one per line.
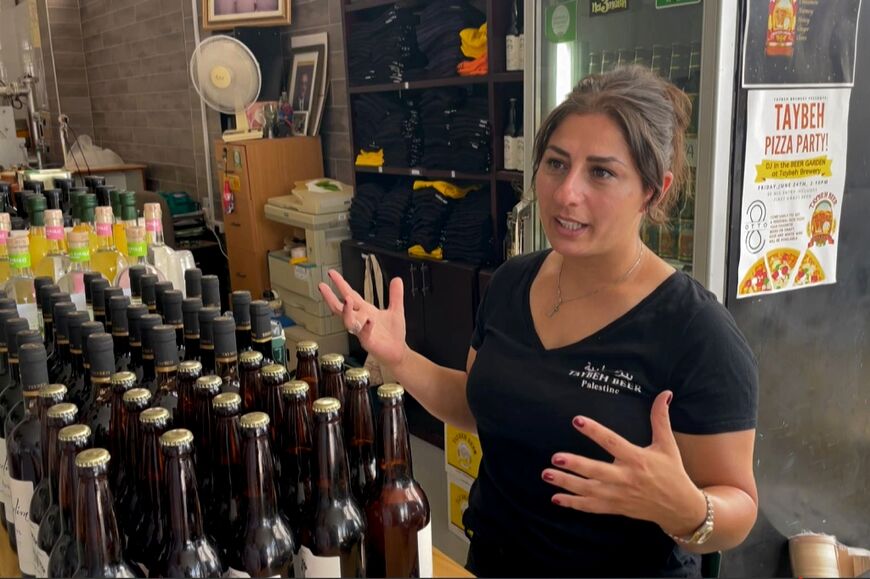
[38, 242]
[55, 263]
[124, 219]
[87, 219]
[5, 228]
[106, 259]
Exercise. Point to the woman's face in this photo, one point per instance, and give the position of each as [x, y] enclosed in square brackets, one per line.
[590, 193]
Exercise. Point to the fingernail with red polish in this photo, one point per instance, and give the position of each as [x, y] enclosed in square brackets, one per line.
[558, 461]
[548, 476]
[670, 397]
[579, 422]
[556, 501]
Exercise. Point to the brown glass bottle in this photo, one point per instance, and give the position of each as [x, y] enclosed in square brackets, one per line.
[272, 377]
[55, 300]
[99, 351]
[261, 329]
[332, 371]
[240, 302]
[98, 298]
[207, 315]
[135, 313]
[63, 559]
[99, 542]
[7, 313]
[42, 293]
[296, 454]
[135, 400]
[120, 333]
[149, 376]
[11, 411]
[87, 330]
[193, 283]
[108, 294]
[149, 296]
[24, 446]
[188, 553]
[333, 541]
[308, 368]
[87, 281]
[61, 372]
[226, 357]
[266, 544]
[211, 291]
[121, 383]
[399, 533]
[190, 311]
[204, 391]
[166, 366]
[224, 512]
[359, 436]
[173, 315]
[189, 372]
[250, 387]
[77, 393]
[160, 288]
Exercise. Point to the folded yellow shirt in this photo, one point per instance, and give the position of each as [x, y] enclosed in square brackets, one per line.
[370, 159]
[473, 41]
[445, 188]
[418, 251]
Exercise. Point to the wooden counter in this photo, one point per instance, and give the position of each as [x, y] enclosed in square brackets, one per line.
[8, 559]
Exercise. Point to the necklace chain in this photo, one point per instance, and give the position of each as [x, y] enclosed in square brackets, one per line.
[559, 301]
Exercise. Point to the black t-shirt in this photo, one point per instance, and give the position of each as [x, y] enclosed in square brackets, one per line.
[524, 398]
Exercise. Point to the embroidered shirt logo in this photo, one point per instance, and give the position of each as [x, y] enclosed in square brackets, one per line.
[605, 380]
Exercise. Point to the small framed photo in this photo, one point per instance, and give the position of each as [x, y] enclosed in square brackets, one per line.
[224, 14]
[300, 123]
[302, 81]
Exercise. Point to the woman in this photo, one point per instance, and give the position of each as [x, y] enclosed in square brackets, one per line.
[614, 397]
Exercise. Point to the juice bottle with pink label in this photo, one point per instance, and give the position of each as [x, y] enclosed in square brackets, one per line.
[38, 242]
[5, 228]
[106, 259]
[55, 263]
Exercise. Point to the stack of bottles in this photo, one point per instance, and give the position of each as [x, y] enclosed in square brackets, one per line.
[161, 440]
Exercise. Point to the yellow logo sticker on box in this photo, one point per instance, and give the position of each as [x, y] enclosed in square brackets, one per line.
[462, 450]
[457, 502]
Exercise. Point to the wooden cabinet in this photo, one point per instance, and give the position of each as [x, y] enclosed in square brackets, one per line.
[254, 172]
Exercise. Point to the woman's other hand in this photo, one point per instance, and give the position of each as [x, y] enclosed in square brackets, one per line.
[381, 332]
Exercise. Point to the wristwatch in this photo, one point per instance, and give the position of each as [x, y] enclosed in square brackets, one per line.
[702, 533]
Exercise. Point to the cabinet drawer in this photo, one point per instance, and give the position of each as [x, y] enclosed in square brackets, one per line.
[248, 272]
[240, 236]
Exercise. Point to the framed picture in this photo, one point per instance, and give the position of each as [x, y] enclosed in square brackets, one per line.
[302, 83]
[223, 14]
[300, 123]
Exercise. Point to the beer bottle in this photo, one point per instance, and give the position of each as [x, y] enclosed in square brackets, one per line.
[108, 294]
[11, 394]
[266, 542]
[359, 433]
[332, 370]
[136, 272]
[6, 313]
[146, 327]
[205, 389]
[272, 377]
[211, 292]
[174, 316]
[44, 512]
[149, 296]
[166, 365]
[160, 288]
[120, 333]
[98, 541]
[63, 559]
[241, 304]
[121, 383]
[98, 295]
[76, 385]
[226, 357]
[207, 315]
[229, 478]
[61, 372]
[189, 553]
[152, 522]
[249, 380]
[295, 453]
[87, 280]
[135, 401]
[261, 329]
[25, 451]
[188, 373]
[308, 369]
[134, 327]
[193, 283]
[98, 413]
[190, 310]
[399, 534]
[333, 542]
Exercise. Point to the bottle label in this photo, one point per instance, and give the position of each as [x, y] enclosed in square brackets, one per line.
[519, 153]
[137, 248]
[4, 479]
[313, 566]
[80, 302]
[235, 573]
[509, 153]
[19, 260]
[38, 554]
[79, 254]
[104, 229]
[54, 232]
[512, 51]
[22, 494]
[29, 313]
[42, 562]
[4, 235]
[522, 52]
[153, 225]
[424, 551]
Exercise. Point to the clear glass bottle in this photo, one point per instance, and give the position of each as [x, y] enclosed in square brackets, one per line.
[55, 264]
[137, 250]
[160, 255]
[73, 281]
[125, 220]
[106, 259]
[87, 219]
[20, 285]
[5, 229]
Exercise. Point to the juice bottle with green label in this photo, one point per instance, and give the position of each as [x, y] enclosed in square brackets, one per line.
[137, 248]
[106, 259]
[55, 263]
[20, 284]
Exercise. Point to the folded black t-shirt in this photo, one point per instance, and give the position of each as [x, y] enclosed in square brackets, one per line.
[524, 398]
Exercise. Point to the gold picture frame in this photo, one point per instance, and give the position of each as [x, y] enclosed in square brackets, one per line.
[227, 14]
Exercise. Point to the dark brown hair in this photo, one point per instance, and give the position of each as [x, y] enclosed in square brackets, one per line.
[653, 115]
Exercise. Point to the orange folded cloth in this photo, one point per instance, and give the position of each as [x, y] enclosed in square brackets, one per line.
[477, 67]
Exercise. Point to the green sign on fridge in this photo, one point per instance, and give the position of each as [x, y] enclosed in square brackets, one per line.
[562, 22]
[672, 3]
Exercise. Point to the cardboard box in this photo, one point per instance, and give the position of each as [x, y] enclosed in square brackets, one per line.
[462, 451]
[458, 490]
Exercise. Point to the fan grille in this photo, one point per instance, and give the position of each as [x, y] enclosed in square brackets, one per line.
[225, 74]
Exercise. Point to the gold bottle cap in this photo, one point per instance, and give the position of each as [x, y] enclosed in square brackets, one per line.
[93, 457]
[63, 410]
[295, 387]
[190, 367]
[390, 391]
[208, 382]
[357, 374]
[251, 357]
[153, 415]
[323, 405]
[254, 420]
[273, 371]
[134, 395]
[176, 437]
[123, 380]
[307, 347]
[52, 391]
[226, 400]
[332, 361]
[74, 433]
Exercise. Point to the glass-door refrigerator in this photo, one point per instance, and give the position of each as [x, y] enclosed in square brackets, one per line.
[691, 43]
